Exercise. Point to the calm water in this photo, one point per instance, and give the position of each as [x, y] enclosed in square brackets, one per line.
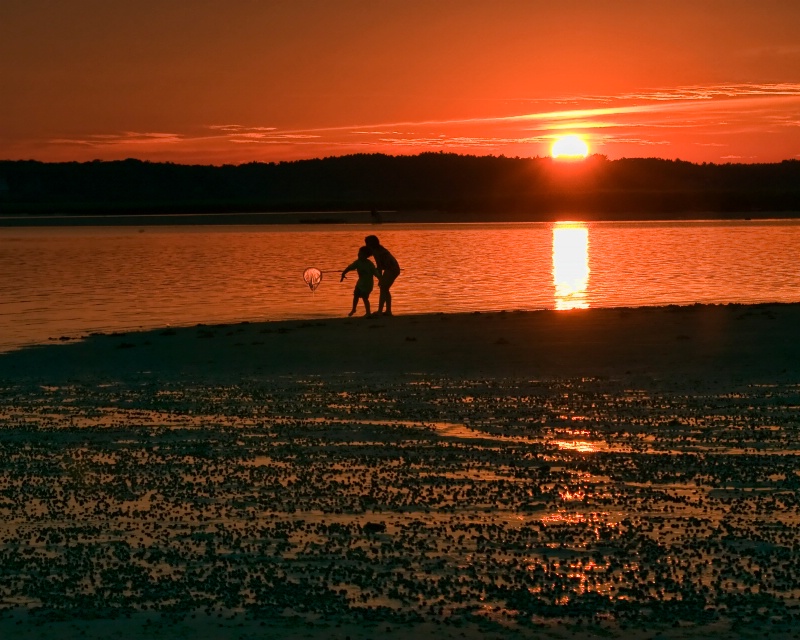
[70, 281]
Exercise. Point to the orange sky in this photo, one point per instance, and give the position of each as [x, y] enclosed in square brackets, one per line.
[229, 81]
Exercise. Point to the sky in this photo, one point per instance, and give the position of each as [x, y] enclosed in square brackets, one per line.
[233, 81]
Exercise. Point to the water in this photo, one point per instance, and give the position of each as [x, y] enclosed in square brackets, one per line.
[70, 281]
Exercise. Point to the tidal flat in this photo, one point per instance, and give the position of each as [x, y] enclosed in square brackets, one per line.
[514, 504]
[400, 504]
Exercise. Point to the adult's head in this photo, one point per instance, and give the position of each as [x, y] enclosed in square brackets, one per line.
[372, 242]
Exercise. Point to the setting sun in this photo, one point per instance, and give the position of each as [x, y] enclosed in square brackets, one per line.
[569, 148]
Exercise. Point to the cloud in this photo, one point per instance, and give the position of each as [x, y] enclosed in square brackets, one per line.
[271, 137]
[460, 141]
[239, 128]
[628, 140]
[716, 91]
[782, 51]
[125, 138]
[677, 107]
[699, 116]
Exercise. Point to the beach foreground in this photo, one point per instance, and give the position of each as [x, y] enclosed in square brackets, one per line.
[615, 473]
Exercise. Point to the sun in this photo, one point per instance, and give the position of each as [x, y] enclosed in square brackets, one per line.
[569, 148]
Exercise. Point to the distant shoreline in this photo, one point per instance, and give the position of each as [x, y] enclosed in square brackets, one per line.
[351, 217]
[429, 187]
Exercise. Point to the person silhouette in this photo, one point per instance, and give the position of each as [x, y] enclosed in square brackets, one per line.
[366, 274]
[388, 268]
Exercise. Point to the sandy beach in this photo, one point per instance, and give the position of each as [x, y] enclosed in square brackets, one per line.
[624, 473]
[675, 344]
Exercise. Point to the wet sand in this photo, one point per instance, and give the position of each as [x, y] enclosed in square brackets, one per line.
[710, 342]
[617, 473]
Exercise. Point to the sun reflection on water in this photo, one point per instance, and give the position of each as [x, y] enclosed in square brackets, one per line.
[571, 265]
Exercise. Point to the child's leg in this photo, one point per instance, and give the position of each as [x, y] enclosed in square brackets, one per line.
[366, 306]
[355, 302]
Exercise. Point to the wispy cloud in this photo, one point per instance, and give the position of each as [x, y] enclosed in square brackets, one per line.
[272, 137]
[656, 100]
[696, 117]
[631, 140]
[458, 141]
[125, 138]
[239, 128]
[716, 91]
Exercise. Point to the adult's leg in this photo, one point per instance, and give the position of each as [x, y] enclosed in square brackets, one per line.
[381, 296]
[386, 294]
[387, 298]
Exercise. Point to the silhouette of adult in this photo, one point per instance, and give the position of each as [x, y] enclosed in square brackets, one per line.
[388, 268]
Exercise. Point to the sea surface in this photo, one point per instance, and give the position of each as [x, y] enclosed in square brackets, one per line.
[71, 281]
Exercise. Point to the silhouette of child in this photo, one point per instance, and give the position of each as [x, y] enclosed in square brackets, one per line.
[366, 273]
[388, 270]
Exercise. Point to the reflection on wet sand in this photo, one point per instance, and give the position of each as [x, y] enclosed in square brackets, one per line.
[505, 505]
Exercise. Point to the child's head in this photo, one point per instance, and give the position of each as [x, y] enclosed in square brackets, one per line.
[364, 253]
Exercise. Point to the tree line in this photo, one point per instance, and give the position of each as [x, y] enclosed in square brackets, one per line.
[538, 187]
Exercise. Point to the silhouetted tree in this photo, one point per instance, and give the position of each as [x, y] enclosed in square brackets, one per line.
[536, 187]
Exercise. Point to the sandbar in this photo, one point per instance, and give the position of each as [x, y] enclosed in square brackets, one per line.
[616, 473]
[710, 342]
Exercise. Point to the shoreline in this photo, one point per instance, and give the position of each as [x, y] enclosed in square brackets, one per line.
[726, 341]
[364, 217]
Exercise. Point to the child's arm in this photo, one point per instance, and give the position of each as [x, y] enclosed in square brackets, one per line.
[345, 272]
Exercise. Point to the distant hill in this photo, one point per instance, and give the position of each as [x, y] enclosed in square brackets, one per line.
[538, 188]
